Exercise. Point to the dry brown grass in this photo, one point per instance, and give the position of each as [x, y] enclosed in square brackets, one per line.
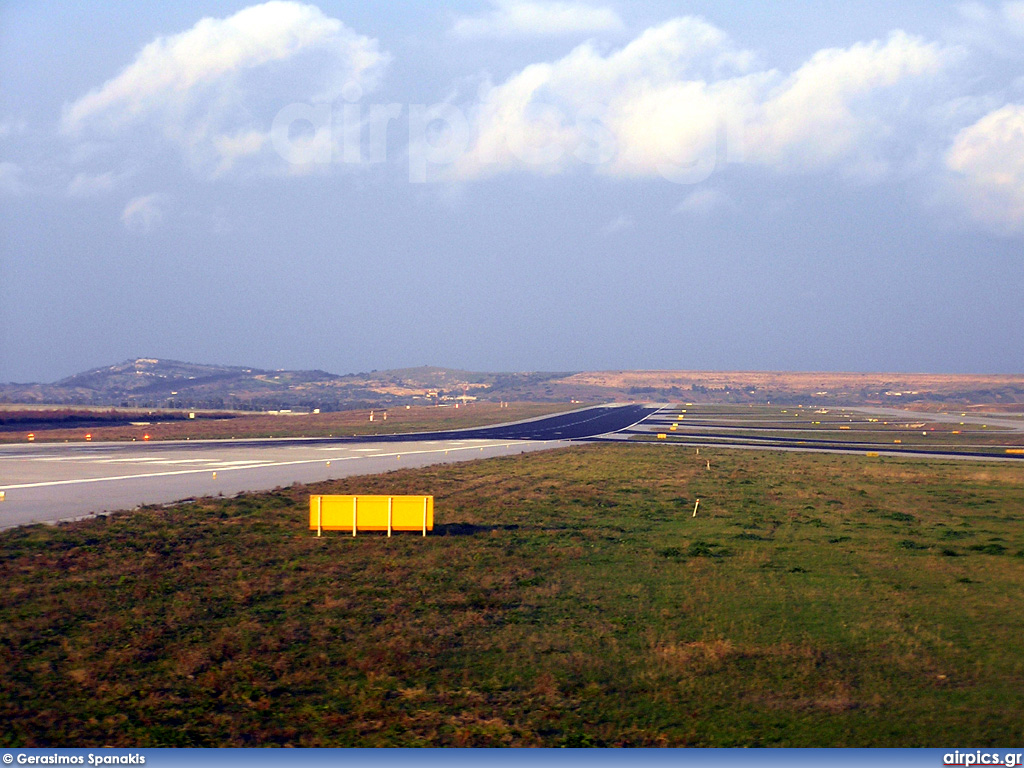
[807, 382]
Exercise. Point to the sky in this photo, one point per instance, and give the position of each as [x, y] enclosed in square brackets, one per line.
[512, 185]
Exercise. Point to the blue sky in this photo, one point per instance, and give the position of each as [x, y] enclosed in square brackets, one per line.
[512, 185]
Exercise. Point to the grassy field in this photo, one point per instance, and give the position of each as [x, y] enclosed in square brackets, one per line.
[414, 419]
[566, 598]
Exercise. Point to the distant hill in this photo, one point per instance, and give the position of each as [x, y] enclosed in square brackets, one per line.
[149, 382]
[810, 388]
[153, 383]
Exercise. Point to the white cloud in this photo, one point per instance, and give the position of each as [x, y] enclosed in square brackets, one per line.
[837, 103]
[618, 224]
[143, 213]
[10, 179]
[88, 185]
[12, 128]
[682, 98]
[243, 144]
[974, 12]
[988, 158]
[705, 202]
[992, 28]
[513, 18]
[1013, 16]
[214, 89]
[629, 112]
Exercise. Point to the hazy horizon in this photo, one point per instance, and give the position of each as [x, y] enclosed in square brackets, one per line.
[513, 185]
[530, 371]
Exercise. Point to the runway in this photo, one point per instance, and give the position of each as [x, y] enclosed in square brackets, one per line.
[741, 428]
[65, 481]
[54, 482]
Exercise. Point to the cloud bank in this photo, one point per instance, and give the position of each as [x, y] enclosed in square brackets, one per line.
[681, 98]
[213, 90]
[988, 158]
[678, 102]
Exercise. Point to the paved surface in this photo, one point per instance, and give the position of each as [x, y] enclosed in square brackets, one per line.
[726, 429]
[575, 425]
[1004, 421]
[53, 482]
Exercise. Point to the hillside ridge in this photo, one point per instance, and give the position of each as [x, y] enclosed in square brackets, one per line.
[154, 382]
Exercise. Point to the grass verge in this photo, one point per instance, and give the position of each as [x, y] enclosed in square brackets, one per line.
[566, 599]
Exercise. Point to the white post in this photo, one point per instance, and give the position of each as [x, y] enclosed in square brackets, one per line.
[424, 516]
[355, 504]
[319, 515]
[391, 500]
[695, 508]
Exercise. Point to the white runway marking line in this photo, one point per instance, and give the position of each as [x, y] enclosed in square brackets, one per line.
[150, 460]
[98, 457]
[261, 466]
[227, 464]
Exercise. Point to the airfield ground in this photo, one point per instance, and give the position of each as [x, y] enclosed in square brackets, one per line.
[165, 425]
[871, 430]
[566, 598]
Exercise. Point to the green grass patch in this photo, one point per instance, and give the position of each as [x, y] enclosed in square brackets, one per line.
[567, 598]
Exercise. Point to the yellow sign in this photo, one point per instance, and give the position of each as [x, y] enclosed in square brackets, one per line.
[371, 513]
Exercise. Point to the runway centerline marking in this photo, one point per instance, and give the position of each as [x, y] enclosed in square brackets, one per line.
[97, 457]
[151, 460]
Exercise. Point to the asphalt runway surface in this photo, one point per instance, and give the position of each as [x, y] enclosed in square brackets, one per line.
[50, 482]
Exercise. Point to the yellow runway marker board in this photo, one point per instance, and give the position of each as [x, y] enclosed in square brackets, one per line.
[371, 513]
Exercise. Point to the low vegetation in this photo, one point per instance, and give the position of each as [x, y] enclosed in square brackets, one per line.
[567, 598]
